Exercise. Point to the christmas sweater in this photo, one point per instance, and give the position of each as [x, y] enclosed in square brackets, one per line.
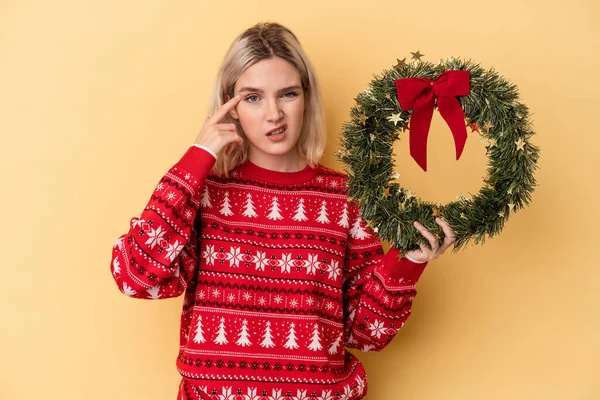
[280, 275]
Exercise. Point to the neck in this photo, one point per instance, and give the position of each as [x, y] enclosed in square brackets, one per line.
[291, 162]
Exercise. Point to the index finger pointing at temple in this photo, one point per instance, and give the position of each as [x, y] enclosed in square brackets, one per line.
[224, 109]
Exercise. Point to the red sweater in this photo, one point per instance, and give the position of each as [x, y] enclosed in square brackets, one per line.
[280, 274]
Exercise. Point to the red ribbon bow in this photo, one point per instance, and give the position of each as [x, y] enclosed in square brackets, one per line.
[420, 95]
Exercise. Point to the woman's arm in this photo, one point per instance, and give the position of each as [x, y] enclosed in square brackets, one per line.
[378, 291]
[157, 258]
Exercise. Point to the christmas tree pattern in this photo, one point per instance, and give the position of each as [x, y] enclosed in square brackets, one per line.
[205, 200]
[275, 214]
[116, 267]
[357, 231]
[333, 349]
[244, 337]
[343, 222]
[154, 292]
[127, 290]
[199, 338]
[225, 207]
[300, 213]
[221, 334]
[323, 214]
[291, 338]
[315, 343]
[249, 209]
[267, 337]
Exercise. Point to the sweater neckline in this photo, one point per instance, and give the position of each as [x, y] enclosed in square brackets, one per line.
[249, 170]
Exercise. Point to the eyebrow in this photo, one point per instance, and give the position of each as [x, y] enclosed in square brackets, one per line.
[251, 89]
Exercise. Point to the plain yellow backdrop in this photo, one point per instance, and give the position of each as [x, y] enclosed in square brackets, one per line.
[99, 98]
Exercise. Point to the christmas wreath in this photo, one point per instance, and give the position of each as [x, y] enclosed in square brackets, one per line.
[466, 95]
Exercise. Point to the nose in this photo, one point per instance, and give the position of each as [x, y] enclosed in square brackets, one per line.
[274, 112]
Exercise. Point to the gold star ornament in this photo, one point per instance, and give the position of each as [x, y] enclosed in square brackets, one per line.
[362, 118]
[520, 144]
[417, 56]
[436, 213]
[401, 63]
[395, 118]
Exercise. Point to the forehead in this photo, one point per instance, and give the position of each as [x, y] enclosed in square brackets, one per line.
[269, 74]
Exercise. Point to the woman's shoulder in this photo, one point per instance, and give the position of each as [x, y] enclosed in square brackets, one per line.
[331, 178]
[330, 172]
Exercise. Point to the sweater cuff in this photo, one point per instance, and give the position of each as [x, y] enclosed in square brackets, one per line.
[206, 148]
[197, 161]
[399, 273]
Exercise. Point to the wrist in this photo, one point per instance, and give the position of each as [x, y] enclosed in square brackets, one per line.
[205, 148]
[414, 260]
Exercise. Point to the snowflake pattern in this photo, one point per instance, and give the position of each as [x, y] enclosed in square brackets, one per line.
[173, 250]
[377, 328]
[155, 236]
[261, 260]
[209, 254]
[286, 262]
[351, 390]
[333, 269]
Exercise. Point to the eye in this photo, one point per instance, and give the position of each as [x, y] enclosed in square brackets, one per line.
[252, 98]
[290, 94]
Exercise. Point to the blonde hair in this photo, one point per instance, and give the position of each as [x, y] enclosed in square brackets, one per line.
[262, 41]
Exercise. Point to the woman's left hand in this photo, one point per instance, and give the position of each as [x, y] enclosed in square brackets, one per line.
[427, 254]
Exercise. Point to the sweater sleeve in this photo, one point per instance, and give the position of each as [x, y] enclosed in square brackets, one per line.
[378, 289]
[157, 258]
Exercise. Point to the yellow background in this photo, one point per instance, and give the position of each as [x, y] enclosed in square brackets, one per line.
[99, 98]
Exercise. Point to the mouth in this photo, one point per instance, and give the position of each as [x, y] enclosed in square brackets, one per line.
[277, 131]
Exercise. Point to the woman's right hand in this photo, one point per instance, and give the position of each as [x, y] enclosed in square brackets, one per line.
[215, 135]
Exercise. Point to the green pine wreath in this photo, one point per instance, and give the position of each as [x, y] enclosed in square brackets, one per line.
[377, 119]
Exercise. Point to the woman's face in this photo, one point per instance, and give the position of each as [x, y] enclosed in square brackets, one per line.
[271, 98]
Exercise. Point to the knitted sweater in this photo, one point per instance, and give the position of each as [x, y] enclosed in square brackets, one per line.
[280, 274]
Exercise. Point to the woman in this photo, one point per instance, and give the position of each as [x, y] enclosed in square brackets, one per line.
[279, 271]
